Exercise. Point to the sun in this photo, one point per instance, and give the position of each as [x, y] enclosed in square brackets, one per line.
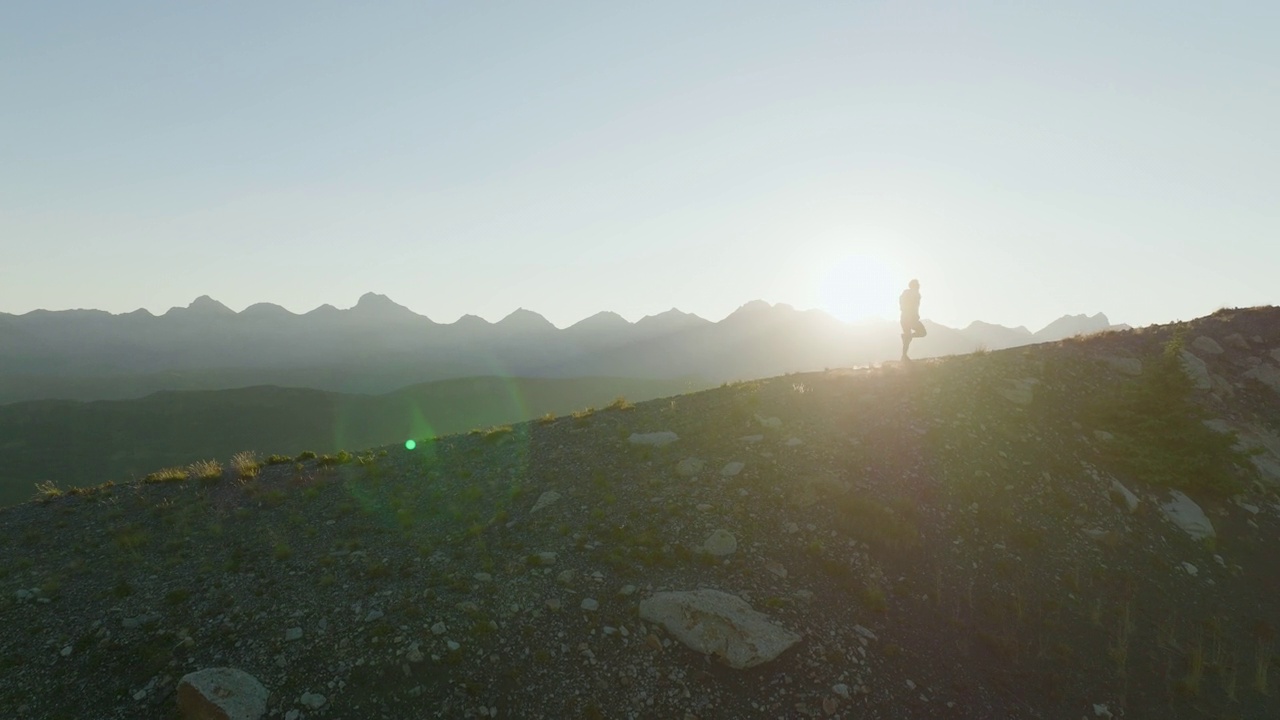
[856, 285]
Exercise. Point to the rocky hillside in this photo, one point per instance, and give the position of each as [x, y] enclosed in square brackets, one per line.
[1079, 529]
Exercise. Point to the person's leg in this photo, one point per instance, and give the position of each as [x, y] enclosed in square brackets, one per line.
[918, 329]
[906, 336]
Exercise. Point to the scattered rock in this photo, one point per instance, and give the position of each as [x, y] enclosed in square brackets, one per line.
[1267, 374]
[221, 694]
[1121, 492]
[439, 629]
[1103, 435]
[794, 442]
[566, 576]
[720, 542]
[841, 689]
[1218, 425]
[314, 701]
[689, 467]
[751, 438]
[1019, 392]
[1192, 570]
[627, 590]
[293, 633]
[656, 439]
[1236, 340]
[544, 500]
[589, 604]
[483, 577]
[770, 422]
[1187, 515]
[1196, 370]
[553, 604]
[715, 622]
[373, 615]
[1125, 365]
[1207, 345]
[732, 469]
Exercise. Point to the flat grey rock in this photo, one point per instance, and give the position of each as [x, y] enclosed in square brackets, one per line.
[717, 623]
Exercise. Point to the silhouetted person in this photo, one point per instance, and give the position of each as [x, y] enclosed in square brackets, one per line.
[909, 303]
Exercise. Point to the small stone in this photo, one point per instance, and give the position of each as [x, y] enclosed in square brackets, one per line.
[703, 507]
[656, 439]
[66, 651]
[751, 439]
[544, 500]
[770, 422]
[293, 633]
[483, 577]
[627, 590]
[546, 558]
[590, 605]
[689, 467]
[373, 615]
[292, 715]
[794, 442]
[720, 543]
[553, 604]
[566, 576]
[841, 689]
[732, 469]
[315, 701]
[1192, 570]
[439, 629]
[453, 646]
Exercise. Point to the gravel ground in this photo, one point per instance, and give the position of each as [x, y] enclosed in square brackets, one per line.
[947, 537]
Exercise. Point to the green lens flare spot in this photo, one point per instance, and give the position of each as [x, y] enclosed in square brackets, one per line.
[410, 444]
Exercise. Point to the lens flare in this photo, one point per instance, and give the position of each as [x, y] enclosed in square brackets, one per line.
[410, 444]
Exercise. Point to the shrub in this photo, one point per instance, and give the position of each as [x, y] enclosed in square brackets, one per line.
[172, 474]
[279, 460]
[306, 455]
[620, 404]
[206, 471]
[245, 464]
[547, 419]
[47, 490]
[497, 433]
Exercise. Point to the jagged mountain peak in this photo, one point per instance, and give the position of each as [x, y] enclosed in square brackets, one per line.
[203, 306]
[372, 303]
[604, 320]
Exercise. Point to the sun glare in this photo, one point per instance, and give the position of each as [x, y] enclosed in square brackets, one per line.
[854, 285]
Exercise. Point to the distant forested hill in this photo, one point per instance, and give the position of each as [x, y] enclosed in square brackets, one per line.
[76, 443]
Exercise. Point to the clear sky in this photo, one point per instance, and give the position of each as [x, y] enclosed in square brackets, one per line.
[1024, 160]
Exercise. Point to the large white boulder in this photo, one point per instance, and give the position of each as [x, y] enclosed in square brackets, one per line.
[221, 694]
[715, 622]
[1187, 515]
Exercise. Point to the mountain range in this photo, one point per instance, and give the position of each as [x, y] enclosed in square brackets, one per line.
[378, 346]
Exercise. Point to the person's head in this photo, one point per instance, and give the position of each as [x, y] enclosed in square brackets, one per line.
[914, 284]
